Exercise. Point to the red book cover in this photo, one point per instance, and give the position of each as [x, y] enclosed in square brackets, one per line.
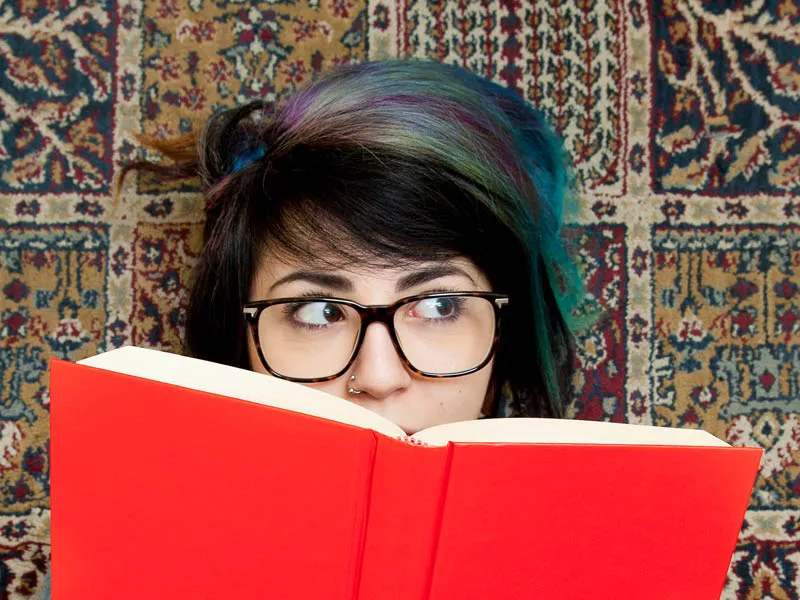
[160, 491]
[591, 521]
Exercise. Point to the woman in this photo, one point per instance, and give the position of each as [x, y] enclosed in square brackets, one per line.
[378, 182]
[370, 235]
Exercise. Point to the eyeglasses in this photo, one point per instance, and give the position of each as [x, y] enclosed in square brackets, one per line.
[312, 339]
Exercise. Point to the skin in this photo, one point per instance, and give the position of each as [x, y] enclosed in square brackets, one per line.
[388, 387]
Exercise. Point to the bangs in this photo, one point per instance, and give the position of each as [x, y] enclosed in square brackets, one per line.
[314, 237]
[355, 211]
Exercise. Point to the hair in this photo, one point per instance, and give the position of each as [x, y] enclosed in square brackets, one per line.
[390, 162]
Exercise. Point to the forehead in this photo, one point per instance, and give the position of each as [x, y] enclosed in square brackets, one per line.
[273, 267]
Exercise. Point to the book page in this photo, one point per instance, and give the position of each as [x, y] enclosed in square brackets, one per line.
[563, 431]
[238, 383]
[263, 389]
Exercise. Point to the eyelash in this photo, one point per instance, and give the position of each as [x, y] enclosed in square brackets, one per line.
[290, 309]
[438, 290]
[316, 294]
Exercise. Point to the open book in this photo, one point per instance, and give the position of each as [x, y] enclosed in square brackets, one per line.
[178, 478]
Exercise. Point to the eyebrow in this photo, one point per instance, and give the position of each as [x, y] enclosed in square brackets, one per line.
[429, 274]
[341, 283]
[335, 282]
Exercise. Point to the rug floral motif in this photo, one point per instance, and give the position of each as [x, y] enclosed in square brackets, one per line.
[682, 118]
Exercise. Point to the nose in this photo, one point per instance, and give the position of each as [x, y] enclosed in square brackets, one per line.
[378, 368]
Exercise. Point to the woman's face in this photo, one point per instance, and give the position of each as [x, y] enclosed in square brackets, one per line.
[388, 387]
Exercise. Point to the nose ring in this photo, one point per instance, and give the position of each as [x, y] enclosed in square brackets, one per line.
[353, 390]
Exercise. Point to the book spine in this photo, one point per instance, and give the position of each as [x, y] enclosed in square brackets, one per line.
[360, 532]
[437, 528]
[404, 515]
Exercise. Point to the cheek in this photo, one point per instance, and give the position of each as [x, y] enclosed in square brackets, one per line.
[335, 387]
[463, 398]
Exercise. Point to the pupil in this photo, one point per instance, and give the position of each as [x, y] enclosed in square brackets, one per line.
[330, 312]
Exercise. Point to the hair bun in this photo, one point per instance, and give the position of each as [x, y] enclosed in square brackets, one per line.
[248, 157]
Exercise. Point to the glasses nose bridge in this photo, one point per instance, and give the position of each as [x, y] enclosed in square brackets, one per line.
[377, 314]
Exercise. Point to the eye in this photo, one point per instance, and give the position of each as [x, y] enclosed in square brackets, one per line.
[436, 308]
[318, 313]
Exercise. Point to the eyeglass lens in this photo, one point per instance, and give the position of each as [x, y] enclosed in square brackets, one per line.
[316, 339]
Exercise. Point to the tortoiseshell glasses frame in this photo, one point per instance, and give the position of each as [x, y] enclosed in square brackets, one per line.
[374, 314]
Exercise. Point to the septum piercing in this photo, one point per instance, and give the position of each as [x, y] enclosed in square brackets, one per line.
[352, 390]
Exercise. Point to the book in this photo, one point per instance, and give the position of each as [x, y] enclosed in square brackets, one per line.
[173, 477]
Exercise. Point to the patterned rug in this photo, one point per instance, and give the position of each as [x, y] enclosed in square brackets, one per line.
[683, 119]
